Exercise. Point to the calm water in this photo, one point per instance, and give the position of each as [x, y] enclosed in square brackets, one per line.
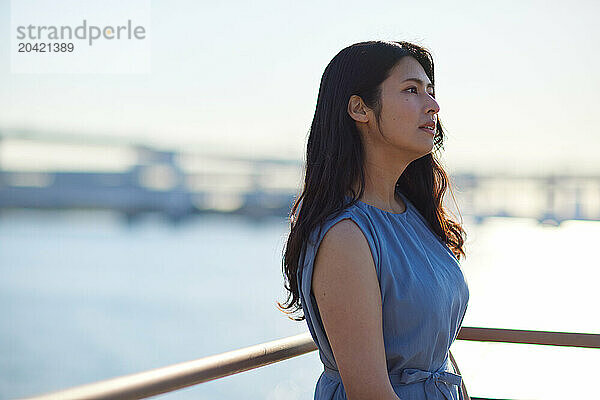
[84, 297]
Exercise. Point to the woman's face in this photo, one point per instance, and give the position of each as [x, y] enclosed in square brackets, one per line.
[406, 105]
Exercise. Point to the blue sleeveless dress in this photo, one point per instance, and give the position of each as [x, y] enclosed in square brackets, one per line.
[424, 299]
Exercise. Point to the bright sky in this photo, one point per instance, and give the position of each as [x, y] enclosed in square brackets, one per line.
[517, 81]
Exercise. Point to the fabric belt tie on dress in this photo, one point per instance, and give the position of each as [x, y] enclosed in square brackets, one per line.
[434, 381]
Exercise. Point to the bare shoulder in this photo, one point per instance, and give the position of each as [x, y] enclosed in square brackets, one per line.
[343, 261]
[343, 247]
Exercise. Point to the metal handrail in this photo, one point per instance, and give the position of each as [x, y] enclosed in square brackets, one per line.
[587, 340]
[178, 376]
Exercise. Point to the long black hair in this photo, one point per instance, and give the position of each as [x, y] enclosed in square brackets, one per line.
[335, 155]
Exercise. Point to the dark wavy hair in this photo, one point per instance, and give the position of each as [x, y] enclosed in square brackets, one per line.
[335, 156]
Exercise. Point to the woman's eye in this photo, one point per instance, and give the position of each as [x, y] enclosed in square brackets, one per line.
[414, 88]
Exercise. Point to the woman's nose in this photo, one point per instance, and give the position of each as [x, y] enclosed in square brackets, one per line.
[433, 105]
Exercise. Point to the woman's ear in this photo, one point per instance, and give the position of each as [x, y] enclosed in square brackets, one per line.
[357, 109]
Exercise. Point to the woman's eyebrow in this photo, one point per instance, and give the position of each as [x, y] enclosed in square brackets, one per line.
[429, 85]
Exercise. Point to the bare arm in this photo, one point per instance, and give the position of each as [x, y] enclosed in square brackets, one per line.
[347, 291]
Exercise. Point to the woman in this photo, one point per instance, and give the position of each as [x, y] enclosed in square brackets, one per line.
[372, 257]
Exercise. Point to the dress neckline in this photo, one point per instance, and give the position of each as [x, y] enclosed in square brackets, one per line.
[401, 215]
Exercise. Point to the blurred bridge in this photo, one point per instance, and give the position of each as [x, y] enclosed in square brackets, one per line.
[179, 184]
